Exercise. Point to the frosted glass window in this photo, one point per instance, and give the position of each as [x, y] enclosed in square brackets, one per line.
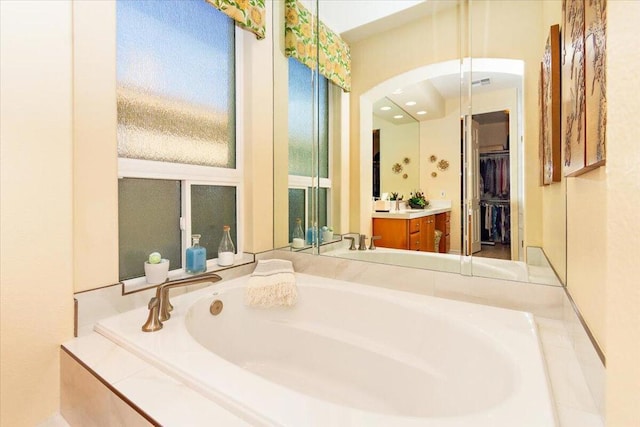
[175, 82]
[149, 221]
[301, 121]
[322, 206]
[212, 207]
[296, 210]
[298, 198]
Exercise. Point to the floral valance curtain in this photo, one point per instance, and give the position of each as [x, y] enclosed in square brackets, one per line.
[249, 14]
[334, 60]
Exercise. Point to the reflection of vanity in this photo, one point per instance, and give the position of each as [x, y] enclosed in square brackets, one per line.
[414, 229]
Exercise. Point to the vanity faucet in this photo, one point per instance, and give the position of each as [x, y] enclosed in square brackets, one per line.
[160, 306]
[363, 243]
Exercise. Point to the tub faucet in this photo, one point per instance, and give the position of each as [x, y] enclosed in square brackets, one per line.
[363, 243]
[372, 246]
[160, 306]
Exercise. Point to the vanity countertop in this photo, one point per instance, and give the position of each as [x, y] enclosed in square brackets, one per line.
[435, 207]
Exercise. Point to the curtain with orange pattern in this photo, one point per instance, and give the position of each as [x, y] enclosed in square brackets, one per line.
[248, 14]
[334, 57]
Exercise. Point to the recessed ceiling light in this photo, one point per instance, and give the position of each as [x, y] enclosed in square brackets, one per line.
[410, 103]
[385, 108]
[421, 112]
[399, 116]
[397, 91]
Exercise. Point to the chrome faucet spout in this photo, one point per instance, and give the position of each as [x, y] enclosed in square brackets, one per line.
[160, 306]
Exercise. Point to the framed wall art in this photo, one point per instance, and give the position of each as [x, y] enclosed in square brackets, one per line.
[550, 109]
[583, 121]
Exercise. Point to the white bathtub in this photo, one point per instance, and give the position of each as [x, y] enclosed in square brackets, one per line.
[350, 355]
[484, 267]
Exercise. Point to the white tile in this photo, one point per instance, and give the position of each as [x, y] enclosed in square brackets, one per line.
[172, 403]
[106, 358]
[570, 417]
[553, 334]
[567, 381]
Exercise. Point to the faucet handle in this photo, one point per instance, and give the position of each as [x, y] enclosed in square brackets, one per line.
[153, 323]
[372, 246]
[353, 243]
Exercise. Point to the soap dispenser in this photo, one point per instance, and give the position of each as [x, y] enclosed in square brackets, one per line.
[196, 256]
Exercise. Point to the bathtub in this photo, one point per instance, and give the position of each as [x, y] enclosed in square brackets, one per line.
[349, 355]
[484, 267]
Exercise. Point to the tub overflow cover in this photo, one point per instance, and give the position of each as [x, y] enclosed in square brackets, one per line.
[216, 307]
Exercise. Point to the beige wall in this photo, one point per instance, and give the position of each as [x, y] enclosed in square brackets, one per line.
[554, 229]
[587, 247]
[36, 275]
[379, 58]
[622, 229]
[258, 128]
[437, 138]
[95, 167]
[396, 143]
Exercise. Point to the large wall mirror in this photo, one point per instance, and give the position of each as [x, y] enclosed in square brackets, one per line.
[464, 77]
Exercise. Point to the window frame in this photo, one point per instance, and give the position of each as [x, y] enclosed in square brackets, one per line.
[189, 175]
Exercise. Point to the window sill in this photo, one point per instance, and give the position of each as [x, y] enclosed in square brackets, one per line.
[140, 283]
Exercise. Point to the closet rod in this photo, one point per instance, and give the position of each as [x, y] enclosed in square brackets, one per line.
[495, 153]
[494, 201]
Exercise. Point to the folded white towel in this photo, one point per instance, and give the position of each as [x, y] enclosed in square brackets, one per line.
[272, 283]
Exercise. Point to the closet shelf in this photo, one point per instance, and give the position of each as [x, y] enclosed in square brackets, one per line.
[495, 201]
[495, 153]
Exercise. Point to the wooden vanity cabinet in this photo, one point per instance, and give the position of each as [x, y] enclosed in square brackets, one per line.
[413, 234]
[427, 231]
[443, 223]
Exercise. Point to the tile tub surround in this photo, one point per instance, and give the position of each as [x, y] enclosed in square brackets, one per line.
[575, 406]
[134, 387]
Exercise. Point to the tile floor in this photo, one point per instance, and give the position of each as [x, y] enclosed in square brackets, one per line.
[499, 251]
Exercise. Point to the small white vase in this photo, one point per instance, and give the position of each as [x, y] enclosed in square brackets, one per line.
[327, 236]
[156, 273]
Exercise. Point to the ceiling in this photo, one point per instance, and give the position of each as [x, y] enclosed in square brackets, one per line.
[354, 22]
[430, 95]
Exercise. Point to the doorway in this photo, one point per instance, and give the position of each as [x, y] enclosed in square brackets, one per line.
[376, 163]
[494, 184]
